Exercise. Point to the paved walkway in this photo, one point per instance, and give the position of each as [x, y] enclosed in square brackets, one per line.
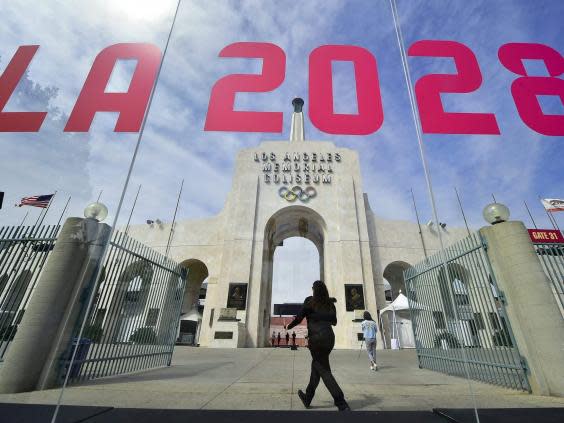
[264, 379]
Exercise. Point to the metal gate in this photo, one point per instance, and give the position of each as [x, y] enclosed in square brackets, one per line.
[133, 321]
[552, 259]
[459, 319]
[23, 252]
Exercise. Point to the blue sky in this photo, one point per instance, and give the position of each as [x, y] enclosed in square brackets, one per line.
[518, 165]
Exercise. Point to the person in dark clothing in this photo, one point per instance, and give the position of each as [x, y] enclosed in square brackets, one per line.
[279, 337]
[294, 338]
[287, 339]
[273, 339]
[320, 312]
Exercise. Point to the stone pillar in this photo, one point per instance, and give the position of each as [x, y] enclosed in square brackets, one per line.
[531, 307]
[54, 309]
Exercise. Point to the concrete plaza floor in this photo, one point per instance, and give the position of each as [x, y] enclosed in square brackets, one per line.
[267, 379]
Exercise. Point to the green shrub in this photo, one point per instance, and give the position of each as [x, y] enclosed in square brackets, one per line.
[145, 335]
[501, 339]
[450, 339]
[93, 332]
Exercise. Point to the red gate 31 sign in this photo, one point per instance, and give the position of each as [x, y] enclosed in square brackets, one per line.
[543, 236]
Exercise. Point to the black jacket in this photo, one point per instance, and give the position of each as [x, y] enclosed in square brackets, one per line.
[318, 322]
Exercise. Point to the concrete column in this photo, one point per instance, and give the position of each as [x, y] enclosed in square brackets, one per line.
[54, 309]
[531, 307]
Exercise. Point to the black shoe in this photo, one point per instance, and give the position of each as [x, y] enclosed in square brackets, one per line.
[304, 398]
[343, 406]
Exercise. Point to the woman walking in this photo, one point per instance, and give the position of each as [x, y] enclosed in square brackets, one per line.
[320, 312]
[369, 329]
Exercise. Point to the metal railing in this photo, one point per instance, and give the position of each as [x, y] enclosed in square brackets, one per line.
[23, 252]
[552, 259]
[458, 315]
[132, 324]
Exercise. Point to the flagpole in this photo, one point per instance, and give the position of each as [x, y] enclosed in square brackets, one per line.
[462, 210]
[174, 219]
[550, 218]
[493, 196]
[64, 210]
[426, 171]
[25, 217]
[554, 221]
[530, 215]
[132, 208]
[418, 223]
[39, 217]
[99, 195]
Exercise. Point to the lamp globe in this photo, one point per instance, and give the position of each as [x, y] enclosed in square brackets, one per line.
[96, 211]
[495, 213]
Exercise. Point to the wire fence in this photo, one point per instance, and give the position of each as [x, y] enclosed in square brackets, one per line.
[134, 319]
[551, 257]
[458, 314]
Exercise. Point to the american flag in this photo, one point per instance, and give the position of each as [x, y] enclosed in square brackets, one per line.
[36, 201]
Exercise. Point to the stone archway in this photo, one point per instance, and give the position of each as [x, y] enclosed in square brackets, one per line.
[292, 221]
[129, 299]
[393, 273]
[191, 313]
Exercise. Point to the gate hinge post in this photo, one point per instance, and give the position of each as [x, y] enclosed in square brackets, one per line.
[524, 363]
[484, 243]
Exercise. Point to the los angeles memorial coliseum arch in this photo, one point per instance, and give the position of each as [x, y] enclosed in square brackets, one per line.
[281, 189]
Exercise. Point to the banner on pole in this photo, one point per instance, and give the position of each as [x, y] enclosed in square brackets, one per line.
[553, 204]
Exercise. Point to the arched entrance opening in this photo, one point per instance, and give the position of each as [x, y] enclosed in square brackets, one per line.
[289, 222]
[387, 290]
[295, 266]
[193, 302]
[393, 273]
[129, 300]
[397, 325]
[457, 275]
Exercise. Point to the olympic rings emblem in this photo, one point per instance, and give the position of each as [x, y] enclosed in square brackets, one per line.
[297, 193]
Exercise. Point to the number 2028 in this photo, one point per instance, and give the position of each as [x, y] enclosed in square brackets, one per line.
[221, 115]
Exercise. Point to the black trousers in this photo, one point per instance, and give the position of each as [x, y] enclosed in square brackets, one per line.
[320, 348]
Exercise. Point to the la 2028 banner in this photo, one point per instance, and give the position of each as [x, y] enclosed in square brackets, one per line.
[221, 115]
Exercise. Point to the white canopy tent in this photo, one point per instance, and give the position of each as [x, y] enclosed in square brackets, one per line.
[404, 336]
[195, 316]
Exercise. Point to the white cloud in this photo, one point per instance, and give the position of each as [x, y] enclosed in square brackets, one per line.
[517, 165]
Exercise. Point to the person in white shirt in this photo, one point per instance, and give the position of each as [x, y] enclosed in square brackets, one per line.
[369, 330]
